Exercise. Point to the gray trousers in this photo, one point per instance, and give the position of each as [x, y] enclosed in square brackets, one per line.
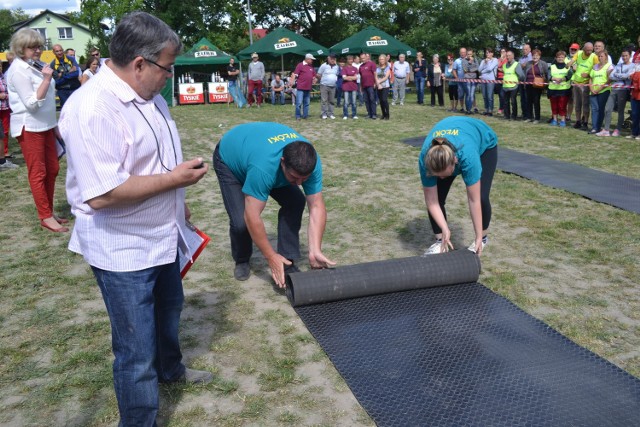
[328, 99]
[399, 88]
[620, 98]
[581, 103]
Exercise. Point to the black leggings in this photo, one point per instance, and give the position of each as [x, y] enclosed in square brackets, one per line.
[383, 97]
[489, 160]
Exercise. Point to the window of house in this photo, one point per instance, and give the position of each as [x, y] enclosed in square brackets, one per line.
[42, 31]
[48, 20]
[65, 33]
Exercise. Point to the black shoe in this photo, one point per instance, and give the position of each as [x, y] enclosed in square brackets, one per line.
[292, 268]
[242, 271]
[577, 125]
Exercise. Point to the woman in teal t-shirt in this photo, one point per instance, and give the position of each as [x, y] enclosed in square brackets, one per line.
[458, 146]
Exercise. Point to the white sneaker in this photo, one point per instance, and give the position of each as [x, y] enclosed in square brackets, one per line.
[402, 103]
[436, 248]
[472, 247]
[8, 165]
[324, 117]
[393, 103]
[355, 117]
[345, 118]
[332, 117]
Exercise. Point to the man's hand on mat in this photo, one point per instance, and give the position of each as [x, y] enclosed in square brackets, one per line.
[318, 260]
[277, 263]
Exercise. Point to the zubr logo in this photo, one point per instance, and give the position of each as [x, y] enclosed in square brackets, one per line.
[204, 52]
[376, 41]
[284, 43]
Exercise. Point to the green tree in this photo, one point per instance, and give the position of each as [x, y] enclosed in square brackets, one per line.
[7, 19]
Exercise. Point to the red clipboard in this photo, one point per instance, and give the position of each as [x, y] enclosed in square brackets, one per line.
[194, 237]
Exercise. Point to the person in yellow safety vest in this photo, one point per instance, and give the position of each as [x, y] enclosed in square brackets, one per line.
[513, 74]
[559, 89]
[600, 90]
[582, 63]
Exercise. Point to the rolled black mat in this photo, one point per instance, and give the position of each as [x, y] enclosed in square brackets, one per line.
[456, 355]
[382, 277]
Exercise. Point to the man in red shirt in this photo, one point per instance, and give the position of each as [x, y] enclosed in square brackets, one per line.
[349, 88]
[368, 83]
[304, 75]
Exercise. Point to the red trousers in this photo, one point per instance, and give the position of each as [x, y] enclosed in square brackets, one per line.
[257, 86]
[41, 157]
[559, 105]
[5, 116]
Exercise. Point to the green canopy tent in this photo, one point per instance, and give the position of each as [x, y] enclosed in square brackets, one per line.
[203, 57]
[372, 40]
[281, 42]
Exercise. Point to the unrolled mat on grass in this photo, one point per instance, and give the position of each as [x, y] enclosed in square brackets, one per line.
[421, 343]
[615, 190]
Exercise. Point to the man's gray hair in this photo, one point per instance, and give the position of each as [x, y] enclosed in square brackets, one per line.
[141, 34]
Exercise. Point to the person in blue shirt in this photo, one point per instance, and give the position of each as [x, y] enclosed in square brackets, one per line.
[66, 73]
[458, 146]
[254, 161]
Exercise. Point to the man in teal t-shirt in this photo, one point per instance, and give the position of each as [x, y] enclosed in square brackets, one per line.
[254, 161]
[458, 146]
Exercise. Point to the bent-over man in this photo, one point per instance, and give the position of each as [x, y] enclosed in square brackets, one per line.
[254, 161]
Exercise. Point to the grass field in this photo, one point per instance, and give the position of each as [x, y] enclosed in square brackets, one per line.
[567, 260]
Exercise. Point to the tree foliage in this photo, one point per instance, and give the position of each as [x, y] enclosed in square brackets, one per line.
[434, 26]
[7, 19]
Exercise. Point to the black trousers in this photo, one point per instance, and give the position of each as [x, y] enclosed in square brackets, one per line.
[290, 198]
[383, 97]
[489, 160]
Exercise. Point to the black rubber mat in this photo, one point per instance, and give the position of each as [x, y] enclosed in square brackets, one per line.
[615, 190]
[460, 355]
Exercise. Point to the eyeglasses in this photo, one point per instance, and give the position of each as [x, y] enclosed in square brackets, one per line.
[168, 70]
[36, 47]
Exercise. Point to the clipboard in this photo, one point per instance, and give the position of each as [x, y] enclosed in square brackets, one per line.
[194, 239]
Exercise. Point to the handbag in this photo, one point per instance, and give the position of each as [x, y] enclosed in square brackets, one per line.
[538, 81]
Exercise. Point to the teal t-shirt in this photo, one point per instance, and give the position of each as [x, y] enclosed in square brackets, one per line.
[470, 137]
[253, 152]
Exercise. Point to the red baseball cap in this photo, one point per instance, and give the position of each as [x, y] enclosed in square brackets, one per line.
[574, 46]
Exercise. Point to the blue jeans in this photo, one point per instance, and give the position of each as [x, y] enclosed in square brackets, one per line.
[360, 99]
[349, 99]
[420, 89]
[339, 93]
[275, 95]
[302, 96]
[598, 102]
[487, 94]
[144, 309]
[369, 95]
[635, 117]
[291, 201]
[469, 94]
[236, 94]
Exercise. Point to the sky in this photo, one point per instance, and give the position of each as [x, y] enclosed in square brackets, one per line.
[33, 7]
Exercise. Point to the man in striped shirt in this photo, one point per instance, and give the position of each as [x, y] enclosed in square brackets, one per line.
[125, 185]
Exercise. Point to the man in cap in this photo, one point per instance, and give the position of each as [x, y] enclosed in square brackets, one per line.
[573, 49]
[304, 76]
[256, 77]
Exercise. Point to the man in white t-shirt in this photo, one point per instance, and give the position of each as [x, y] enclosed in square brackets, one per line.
[402, 72]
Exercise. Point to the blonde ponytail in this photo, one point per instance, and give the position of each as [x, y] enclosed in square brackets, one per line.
[440, 156]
